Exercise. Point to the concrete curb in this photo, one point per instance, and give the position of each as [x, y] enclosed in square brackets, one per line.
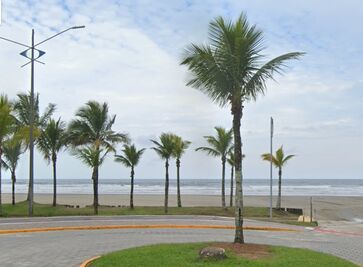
[157, 226]
[86, 262]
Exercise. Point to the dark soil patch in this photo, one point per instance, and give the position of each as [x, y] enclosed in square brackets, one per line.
[249, 251]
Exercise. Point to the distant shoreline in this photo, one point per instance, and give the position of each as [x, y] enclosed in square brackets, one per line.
[253, 187]
[330, 208]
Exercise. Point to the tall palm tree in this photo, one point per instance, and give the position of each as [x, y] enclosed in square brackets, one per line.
[165, 148]
[92, 133]
[22, 107]
[130, 158]
[51, 141]
[7, 123]
[180, 146]
[219, 146]
[279, 160]
[231, 162]
[230, 72]
[12, 150]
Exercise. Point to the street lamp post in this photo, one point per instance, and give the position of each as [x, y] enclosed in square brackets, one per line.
[33, 59]
[271, 137]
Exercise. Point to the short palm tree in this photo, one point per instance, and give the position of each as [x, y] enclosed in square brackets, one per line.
[7, 127]
[219, 146]
[130, 158]
[230, 71]
[165, 148]
[51, 141]
[12, 150]
[93, 157]
[92, 133]
[278, 160]
[180, 146]
[231, 162]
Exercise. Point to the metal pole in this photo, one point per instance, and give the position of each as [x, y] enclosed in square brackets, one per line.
[271, 136]
[31, 126]
[311, 209]
[31, 111]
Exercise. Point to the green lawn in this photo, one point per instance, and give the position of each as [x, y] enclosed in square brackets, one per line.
[21, 210]
[185, 255]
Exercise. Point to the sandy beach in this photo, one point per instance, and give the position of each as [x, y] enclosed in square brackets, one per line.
[325, 207]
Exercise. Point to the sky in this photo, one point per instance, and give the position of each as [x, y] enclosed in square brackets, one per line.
[129, 56]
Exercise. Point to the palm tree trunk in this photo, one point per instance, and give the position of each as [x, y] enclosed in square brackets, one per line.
[28, 197]
[13, 180]
[1, 152]
[95, 189]
[54, 159]
[278, 204]
[237, 116]
[223, 182]
[132, 188]
[231, 194]
[166, 185]
[178, 181]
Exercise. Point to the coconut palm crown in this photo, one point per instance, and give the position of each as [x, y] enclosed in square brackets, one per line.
[230, 70]
[22, 107]
[93, 125]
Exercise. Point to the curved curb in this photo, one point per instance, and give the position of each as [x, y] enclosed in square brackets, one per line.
[157, 226]
[86, 262]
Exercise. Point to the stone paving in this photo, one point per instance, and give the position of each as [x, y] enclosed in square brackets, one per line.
[70, 248]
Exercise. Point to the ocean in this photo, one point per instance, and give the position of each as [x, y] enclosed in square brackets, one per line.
[290, 187]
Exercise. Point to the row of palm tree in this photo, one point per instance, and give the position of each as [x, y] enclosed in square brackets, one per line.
[91, 138]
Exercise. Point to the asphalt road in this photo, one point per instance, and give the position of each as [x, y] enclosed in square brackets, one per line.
[70, 248]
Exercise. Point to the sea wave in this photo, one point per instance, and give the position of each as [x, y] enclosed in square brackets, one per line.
[302, 187]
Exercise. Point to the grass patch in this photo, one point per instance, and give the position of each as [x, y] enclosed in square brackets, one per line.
[20, 209]
[185, 255]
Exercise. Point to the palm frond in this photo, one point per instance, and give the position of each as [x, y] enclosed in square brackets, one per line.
[165, 147]
[257, 83]
[279, 159]
[230, 68]
[122, 159]
[220, 144]
[209, 151]
[93, 125]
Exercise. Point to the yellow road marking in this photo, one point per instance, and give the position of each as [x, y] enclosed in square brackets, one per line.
[155, 226]
[85, 263]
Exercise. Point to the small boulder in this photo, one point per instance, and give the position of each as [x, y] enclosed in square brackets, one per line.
[212, 253]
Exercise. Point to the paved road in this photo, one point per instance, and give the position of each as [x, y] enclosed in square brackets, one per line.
[70, 248]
